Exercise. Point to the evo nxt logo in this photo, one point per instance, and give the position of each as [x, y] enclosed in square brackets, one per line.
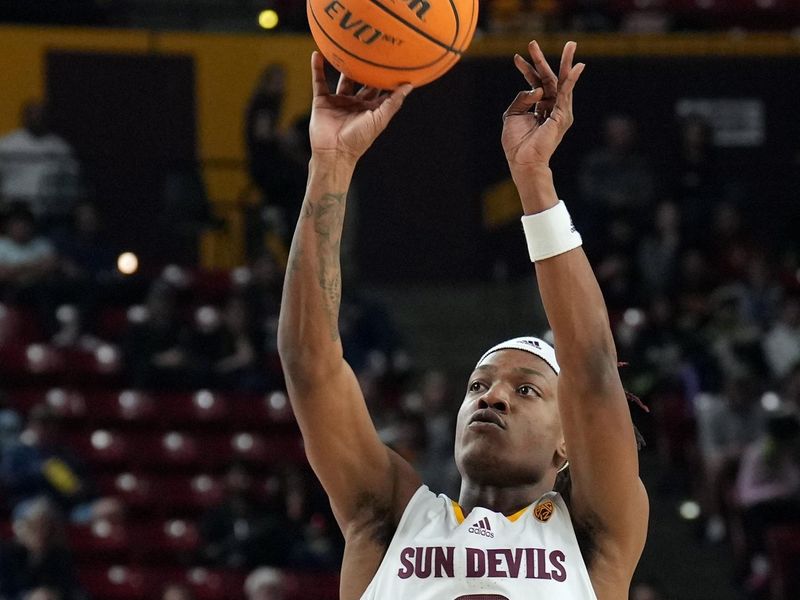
[365, 32]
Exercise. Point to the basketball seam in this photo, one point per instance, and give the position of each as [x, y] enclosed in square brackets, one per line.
[369, 62]
[419, 31]
[471, 21]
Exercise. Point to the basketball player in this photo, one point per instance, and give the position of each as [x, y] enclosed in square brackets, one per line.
[528, 411]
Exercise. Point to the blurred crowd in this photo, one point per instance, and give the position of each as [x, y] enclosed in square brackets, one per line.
[704, 308]
[638, 16]
[635, 16]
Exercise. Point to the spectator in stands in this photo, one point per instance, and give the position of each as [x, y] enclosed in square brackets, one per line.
[40, 465]
[37, 166]
[25, 258]
[782, 342]
[176, 591]
[726, 425]
[731, 336]
[659, 251]
[315, 549]
[152, 347]
[85, 250]
[270, 155]
[38, 556]
[693, 173]
[647, 590]
[265, 583]
[730, 242]
[43, 593]
[240, 531]
[615, 176]
[240, 364]
[591, 15]
[768, 486]
[761, 293]
[433, 406]
[10, 425]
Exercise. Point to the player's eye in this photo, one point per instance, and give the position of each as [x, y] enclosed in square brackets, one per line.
[476, 386]
[527, 390]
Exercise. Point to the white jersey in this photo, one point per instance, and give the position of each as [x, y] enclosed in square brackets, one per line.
[437, 554]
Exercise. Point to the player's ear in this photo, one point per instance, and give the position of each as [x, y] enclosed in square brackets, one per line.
[561, 452]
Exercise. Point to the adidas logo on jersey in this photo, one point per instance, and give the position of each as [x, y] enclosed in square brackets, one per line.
[483, 528]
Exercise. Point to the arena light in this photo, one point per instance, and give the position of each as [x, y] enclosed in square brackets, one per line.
[128, 263]
[268, 19]
[689, 510]
[770, 401]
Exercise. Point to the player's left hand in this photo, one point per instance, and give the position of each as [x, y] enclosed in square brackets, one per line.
[537, 119]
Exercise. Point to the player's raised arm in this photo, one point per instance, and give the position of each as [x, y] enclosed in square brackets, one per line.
[608, 498]
[360, 475]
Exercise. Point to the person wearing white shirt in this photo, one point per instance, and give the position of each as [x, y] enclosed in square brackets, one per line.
[38, 167]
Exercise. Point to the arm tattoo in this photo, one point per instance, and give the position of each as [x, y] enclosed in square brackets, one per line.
[328, 215]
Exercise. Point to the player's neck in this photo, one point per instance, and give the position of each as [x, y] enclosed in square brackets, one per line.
[505, 500]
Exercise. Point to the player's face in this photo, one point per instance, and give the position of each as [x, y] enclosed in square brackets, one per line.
[508, 430]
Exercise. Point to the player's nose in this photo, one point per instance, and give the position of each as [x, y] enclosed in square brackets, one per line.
[495, 399]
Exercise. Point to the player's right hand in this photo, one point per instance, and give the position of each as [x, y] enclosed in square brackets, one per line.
[344, 125]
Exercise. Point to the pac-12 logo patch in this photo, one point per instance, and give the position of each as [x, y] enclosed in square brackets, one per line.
[544, 510]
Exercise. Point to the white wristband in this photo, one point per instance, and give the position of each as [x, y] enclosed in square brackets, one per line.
[550, 232]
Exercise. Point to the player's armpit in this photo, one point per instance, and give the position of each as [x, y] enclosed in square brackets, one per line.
[606, 494]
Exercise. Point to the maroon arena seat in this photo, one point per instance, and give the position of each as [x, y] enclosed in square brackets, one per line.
[783, 543]
[99, 539]
[188, 495]
[137, 491]
[119, 582]
[162, 542]
[194, 409]
[103, 448]
[121, 408]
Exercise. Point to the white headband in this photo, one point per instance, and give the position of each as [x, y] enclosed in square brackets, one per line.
[533, 345]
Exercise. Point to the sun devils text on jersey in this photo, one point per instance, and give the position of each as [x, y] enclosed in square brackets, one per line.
[437, 554]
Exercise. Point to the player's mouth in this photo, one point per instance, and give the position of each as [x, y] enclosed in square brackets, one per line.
[486, 418]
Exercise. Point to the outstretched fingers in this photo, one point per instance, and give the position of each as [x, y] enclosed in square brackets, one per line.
[567, 56]
[346, 86]
[523, 103]
[528, 72]
[548, 78]
[368, 93]
[568, 85]
[389, 105]
[319, 83]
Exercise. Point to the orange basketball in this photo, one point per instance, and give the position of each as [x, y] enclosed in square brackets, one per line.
[383, 43]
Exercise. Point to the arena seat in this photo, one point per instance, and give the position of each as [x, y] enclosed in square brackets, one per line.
[214, 584]
[17, 326]
[119, 582]
[99, 539]
[102, 448]
[312, 586]
[188, 495]
[202, 406]
[121, 408]
[783, 545]
[169, 450]
[261, 411]
[266, 450]
[162, 542]
[138, 492]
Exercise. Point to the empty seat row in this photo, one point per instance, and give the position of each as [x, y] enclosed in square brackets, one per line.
[175, 494]
[126, 408]
[135, 582]
[183, 451]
